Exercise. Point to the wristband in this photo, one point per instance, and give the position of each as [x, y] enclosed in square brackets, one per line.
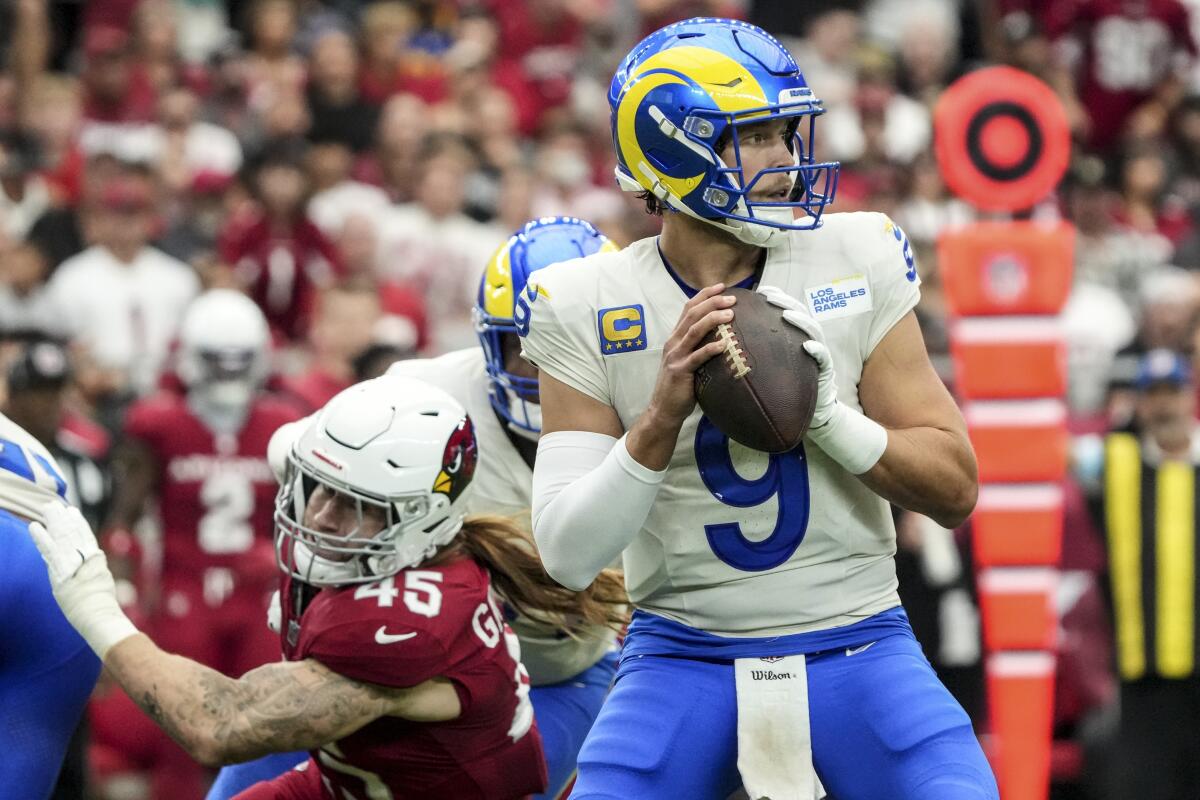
[852, 439]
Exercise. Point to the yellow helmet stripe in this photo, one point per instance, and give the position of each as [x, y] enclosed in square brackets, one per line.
[627, 137]
[498, 297]
[733, 88]
[730, 84]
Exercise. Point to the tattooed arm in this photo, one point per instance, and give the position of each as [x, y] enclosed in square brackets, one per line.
[296, 705]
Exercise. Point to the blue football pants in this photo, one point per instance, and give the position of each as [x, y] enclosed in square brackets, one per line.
[882, 726]
[47, 671]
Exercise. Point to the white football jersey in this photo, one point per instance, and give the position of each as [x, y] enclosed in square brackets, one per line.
[29, 475]
[740, 543]
[503, 484]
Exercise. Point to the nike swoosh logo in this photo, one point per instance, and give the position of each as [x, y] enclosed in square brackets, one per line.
[732, 84]
[850, 651]
[383, 637]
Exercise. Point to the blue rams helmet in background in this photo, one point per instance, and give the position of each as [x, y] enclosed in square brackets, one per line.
[539, 244]
[682, 93]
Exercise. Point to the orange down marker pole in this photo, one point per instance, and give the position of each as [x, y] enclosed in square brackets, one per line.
[1002, 144]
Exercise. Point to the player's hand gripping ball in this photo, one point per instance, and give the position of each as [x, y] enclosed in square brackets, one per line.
[761, 391]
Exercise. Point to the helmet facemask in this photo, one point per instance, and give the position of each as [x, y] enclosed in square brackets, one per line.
[389, 534]
[725, 200]
[502, 309]
[813, 185]
[228, 377]
[514, 397]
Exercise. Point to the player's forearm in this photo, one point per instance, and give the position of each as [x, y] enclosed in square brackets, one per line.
[929, 471]
[217, 720]
[651, 440]
[590, 499]
[187, 700]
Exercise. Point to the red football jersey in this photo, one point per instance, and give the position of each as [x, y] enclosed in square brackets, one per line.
[281, 267]
[216, 492]
[401, 631]
[1129, 47]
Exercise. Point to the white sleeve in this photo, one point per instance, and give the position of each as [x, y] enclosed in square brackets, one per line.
[590, 498]
[561, 339]
[895, 284]
[29, 475]
[422, 369]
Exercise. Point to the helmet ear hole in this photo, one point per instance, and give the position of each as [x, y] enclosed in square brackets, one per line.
[662, 160]
[723, 140]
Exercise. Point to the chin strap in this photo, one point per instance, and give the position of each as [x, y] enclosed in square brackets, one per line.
[756, 234]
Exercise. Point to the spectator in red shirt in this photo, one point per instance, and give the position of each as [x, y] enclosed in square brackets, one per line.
[116, 88]
[278, 255]
[538, 52]
[155, 41]
[1129, 59]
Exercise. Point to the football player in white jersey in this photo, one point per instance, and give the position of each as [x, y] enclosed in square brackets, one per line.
[769, 648]
[570, 676]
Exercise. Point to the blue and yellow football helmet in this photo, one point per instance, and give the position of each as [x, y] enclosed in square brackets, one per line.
[498, 311]
[682, 93]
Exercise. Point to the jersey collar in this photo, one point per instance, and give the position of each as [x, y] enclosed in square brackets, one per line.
[748, 283]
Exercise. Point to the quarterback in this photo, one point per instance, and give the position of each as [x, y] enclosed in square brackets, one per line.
[768, 648]
[401, 677]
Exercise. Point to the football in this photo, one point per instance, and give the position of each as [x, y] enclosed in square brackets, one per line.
[761, 391]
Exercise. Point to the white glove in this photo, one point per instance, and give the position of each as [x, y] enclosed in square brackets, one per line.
[848, 436]
[796, 313]
[79, 576]
[275, 613]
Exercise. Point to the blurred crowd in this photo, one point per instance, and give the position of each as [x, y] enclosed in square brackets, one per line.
[351, 165]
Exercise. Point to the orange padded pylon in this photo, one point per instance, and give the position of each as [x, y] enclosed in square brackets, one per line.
[1017, 604]
[1008, 358]
[1017, 525]
[992, 268]
[1020, 689]
[1019, 441]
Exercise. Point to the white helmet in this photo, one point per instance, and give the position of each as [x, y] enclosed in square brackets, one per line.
[223, 349]
[398, 444]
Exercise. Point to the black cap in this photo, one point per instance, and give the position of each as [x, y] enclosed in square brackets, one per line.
[41, 365]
